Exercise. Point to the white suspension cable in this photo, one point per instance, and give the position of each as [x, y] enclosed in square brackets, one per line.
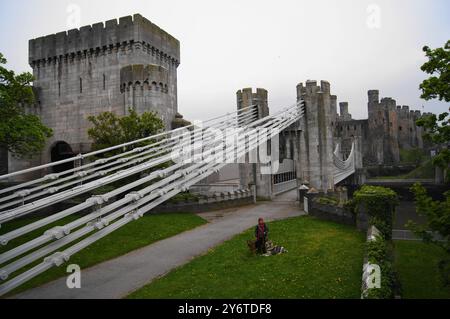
[131, 204]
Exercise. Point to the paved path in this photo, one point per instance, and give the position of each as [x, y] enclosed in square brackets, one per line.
[118, 277]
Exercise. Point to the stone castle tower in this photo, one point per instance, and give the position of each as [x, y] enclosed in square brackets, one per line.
[315, 155]
[388, 129]
[250, 173]
[383, 128]
[111, 66]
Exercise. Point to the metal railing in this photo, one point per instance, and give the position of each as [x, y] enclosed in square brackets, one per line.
[284, 187]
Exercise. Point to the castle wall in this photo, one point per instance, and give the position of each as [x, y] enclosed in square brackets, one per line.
[347, 131]
[388, 129]
[103, 67]
[409, 134]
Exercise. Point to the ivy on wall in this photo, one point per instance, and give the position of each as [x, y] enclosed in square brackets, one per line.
[379, 203]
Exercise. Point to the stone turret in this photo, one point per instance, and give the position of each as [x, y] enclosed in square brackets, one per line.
[374, 96]
[246, 97]
[344, 114]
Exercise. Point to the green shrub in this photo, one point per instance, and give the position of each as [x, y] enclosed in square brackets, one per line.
[412, 156]
[378, 253]
[376, 250]
[184, 197]
[425, 170]
[326, 200]
[379, 203]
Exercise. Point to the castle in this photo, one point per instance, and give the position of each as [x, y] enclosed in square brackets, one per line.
[132, 63]
[111, 66]
[388, 129]
[307, 147]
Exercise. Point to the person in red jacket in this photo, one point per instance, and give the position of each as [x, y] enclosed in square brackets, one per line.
[261, 233]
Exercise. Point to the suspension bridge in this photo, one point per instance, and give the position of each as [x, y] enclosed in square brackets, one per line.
[160, 168]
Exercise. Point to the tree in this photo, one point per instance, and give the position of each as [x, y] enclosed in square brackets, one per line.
[22, 134]
[437, 128]
[438, 66]
[437, 131]
[111, 130]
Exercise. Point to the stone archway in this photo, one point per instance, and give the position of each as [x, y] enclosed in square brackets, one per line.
[60, 151]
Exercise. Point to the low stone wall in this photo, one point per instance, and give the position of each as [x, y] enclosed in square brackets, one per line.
[207, 189]
[328, 212]
[211, 202]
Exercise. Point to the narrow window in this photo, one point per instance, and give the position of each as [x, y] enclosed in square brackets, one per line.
[81, 85]
[59, 89]
[104, 82]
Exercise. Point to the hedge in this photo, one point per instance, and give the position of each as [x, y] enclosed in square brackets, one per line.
[379, 203]
[378, 254]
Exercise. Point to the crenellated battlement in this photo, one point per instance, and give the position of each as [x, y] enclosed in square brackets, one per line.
[101, 37]
[386, 103]
[311, 87]
[247, 93]
[374, 96]
[246, 97]
[404, 112]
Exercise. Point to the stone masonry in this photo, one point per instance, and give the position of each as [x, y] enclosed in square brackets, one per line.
[388, 129]
[250, 172]
[111, 66]
[315, 162]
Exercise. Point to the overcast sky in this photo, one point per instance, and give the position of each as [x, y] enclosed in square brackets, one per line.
[357, 45]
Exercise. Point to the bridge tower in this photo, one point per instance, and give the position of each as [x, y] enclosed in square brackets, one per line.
[315, 155]
[250, 173]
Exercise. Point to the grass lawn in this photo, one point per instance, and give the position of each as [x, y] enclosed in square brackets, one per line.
[425, 170]
[416, 264]
[134, 235]
[324, 261]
